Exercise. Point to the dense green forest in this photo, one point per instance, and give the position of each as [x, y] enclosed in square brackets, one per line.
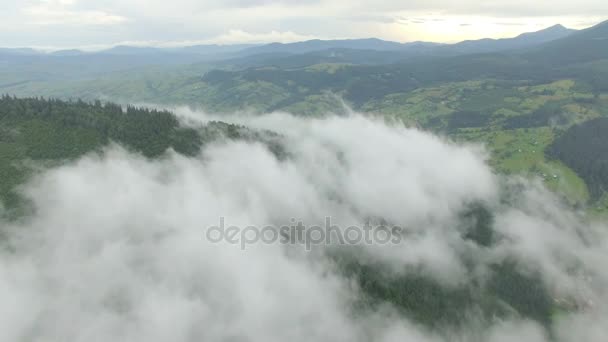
[506, 292]
[48, 130]
[584, 148]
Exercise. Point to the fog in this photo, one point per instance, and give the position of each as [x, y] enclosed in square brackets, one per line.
[117, 249]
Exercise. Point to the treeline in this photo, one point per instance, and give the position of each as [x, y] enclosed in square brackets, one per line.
[547, 115]
[50, 130]
[467, 119]
[506, 291]
[148, 131]
[362, 83]
[584, 148]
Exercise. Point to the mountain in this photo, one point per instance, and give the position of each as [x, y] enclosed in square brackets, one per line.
[580, 47]
[376, 51]
[213, 49]
[549, 34]
[333, 56]
[71, 52]
[19, 51]
[323, 49]
[320, 45]
[522, 41]
[529, 93]
[186, 50]
[358, 75]
[132, 50]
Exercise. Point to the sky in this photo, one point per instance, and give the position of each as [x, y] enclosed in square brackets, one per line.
[102, 23]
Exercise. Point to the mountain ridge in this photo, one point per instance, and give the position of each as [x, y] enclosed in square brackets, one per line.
[467, 46]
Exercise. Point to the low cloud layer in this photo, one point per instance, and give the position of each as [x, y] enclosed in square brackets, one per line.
[116, 248]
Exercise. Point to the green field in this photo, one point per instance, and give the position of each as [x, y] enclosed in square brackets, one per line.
[518, 151]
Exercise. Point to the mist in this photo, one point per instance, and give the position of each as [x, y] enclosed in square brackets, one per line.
[116, 247]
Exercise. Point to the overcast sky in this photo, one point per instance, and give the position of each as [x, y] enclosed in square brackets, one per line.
[99, 23]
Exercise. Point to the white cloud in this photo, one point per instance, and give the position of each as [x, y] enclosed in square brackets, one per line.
[240, 36]
[189, 20]
[62, 12]
[117, 245]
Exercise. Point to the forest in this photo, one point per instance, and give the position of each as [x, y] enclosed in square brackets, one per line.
[584, 148]
[47, 131]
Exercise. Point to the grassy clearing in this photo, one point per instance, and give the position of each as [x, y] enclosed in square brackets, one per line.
[513, 151]
[521, 152]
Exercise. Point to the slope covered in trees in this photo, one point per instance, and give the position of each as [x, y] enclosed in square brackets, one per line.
[584, 148]
[41, 131]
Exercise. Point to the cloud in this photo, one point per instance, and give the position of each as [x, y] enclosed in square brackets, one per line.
[516, 8]
[116, 245]
[240, 36]
[189, 20]
[231, 37]
[62, 12]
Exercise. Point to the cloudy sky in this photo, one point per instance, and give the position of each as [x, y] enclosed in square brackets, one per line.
[97, 23]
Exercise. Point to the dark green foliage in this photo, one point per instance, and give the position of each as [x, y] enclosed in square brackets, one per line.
[421, 298]
[478, 224]
[186, 141]
[505, 290]
[599, 82]
[468, 119]
[584, 148]
[508, 292]
[217, 130]
[579, 47]
[360, 84]
[523, 292]
[489, 100]
[53, 131]
[435, 123]
[548, 115]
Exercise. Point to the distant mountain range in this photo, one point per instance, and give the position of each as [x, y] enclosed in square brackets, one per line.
[517, 95]
[320, 45]
[579, 47]
[470, 46]
[522, 41]
[375, 67]
[195, 49]
[312, 46]
[376, 51]
[19, 51]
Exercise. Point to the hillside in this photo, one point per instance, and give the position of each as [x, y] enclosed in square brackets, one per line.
[584, 148]
[525, 40]
[36, 132]
[516, 101]
[580, 47]
[39, 134]
[320, 45]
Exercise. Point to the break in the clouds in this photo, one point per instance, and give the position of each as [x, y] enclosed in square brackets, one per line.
[76, 23]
